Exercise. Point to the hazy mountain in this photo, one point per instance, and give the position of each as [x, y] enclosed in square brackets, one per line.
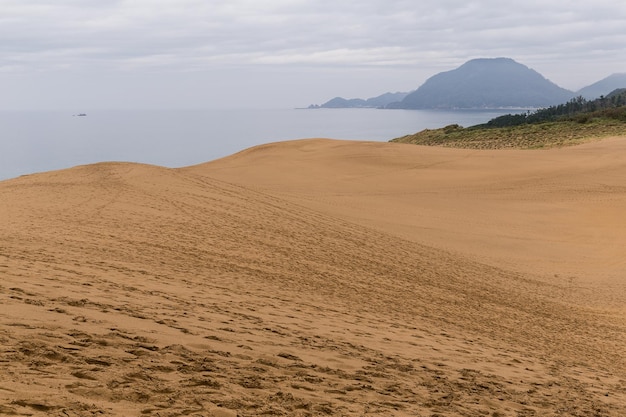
[604, 86]
[340, 103]
[385, 99]
[485, 83]
[379, 101]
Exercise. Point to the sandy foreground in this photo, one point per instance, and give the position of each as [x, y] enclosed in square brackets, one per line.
[319, 277]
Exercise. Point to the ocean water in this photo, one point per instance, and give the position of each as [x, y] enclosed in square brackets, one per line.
[36, 141]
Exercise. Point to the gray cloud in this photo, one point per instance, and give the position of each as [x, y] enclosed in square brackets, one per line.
[377, 45]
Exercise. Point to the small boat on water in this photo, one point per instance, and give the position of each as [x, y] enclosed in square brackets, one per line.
[81, 114]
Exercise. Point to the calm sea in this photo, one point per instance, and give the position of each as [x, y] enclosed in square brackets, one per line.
[35, 141]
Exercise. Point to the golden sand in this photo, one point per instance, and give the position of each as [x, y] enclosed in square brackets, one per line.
[319, 277]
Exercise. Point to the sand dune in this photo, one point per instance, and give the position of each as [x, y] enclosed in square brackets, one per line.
[319, 277]
[544, 212]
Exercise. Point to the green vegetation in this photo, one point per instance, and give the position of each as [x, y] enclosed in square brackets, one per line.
[577, 109]
[571, 123]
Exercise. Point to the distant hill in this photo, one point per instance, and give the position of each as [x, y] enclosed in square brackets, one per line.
[485, 83]
[374, 102]
[604, 86]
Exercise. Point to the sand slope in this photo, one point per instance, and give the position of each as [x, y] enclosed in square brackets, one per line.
[318, 277]
[544, 212]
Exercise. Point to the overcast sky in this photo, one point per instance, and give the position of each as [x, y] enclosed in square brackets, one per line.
[86, 54]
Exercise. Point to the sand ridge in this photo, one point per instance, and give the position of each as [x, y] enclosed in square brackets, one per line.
[317, 277]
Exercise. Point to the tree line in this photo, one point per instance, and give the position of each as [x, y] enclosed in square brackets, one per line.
[579, 109]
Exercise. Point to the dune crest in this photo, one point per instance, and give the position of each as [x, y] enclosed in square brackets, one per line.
[318, 277]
